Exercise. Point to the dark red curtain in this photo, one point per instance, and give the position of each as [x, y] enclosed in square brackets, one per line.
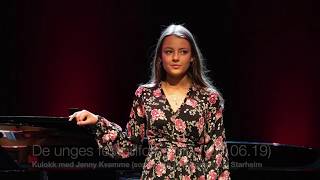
[93, 54]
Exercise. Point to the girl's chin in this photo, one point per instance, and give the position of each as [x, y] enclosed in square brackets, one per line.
[177, 74]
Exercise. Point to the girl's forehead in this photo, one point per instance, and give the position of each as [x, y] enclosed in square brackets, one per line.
[175, 41]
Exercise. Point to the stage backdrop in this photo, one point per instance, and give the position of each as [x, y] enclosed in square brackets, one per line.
[92, 55]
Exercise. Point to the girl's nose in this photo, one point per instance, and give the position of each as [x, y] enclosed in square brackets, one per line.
[175, 56]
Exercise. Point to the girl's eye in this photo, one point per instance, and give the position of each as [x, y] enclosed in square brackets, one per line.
[183, 52]
[168, 52]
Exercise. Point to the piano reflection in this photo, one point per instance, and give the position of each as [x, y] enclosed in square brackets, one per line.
[55, 148]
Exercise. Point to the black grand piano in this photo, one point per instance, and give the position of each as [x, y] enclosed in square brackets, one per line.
[41, 147]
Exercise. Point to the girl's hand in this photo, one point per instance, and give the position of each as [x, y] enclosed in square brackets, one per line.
[84, 117]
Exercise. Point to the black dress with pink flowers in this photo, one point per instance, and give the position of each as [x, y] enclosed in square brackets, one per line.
[187, 144]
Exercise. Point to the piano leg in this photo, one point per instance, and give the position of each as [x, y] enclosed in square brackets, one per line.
[43, 175]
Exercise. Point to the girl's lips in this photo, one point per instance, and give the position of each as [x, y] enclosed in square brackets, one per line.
[175, 66]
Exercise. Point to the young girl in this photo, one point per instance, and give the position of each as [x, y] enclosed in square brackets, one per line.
[179, 111]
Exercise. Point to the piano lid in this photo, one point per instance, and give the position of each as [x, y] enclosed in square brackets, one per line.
[40, 130]
[40, 121]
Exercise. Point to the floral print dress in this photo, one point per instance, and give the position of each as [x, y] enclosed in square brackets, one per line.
[186, 144]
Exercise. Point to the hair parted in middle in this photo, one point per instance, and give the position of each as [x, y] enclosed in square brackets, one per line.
[197, 70]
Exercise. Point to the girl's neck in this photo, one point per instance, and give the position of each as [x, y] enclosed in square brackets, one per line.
[175, 82]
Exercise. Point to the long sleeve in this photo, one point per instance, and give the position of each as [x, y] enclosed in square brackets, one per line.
[215, 148]
[115, 142]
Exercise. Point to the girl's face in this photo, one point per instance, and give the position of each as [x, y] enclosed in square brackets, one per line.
[176, 56]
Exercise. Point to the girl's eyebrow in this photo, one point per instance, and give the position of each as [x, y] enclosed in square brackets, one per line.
[179, 48]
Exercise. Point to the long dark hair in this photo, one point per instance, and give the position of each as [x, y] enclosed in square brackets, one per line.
[197, 70]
